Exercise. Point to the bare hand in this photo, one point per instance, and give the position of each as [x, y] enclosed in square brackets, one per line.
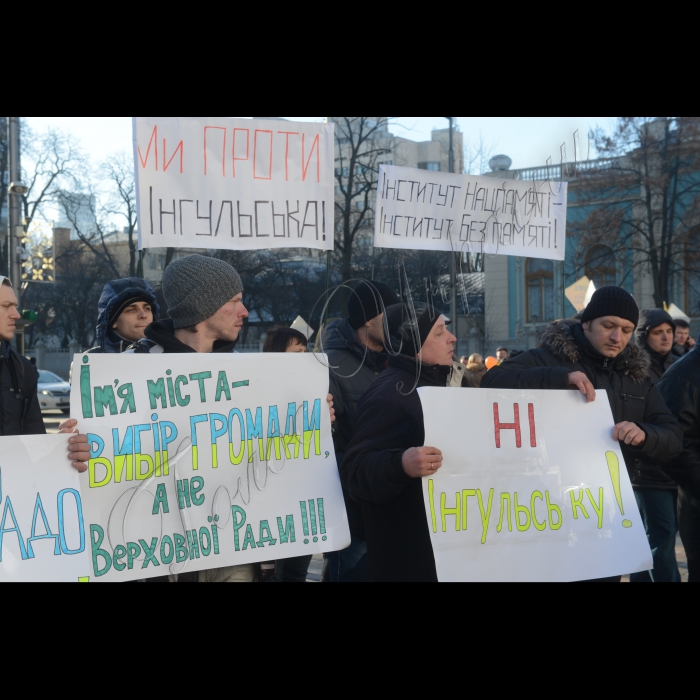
[78, 447]
[421, 461]
[330, 406]
[580, 380]
[629, 434]
[691, 342]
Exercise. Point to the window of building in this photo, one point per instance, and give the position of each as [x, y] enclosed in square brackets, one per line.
[601, 266]
[692, 274]
[434, 167]
[539, 276]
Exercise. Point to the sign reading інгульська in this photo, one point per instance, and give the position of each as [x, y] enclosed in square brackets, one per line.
[237, 184]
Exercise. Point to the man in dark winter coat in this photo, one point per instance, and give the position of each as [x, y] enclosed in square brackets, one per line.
[680, 387]
[356, 356]
[683, 342]
[19, 405]
[596, 355]
[386, 458]
[127, 307]
[656, 494]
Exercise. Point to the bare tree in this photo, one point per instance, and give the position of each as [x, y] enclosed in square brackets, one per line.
[121, 203]
[477, 154]
[362, 144]
[4, 186]
[643, 200]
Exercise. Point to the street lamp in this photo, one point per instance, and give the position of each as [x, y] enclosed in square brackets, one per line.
[453, 259]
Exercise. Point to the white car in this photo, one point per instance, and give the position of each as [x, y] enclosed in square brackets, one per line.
[53, 392]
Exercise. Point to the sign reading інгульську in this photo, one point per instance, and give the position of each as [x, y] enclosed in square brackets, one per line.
[237, 184]
[532, 488]
[426, 210]
[206, 461]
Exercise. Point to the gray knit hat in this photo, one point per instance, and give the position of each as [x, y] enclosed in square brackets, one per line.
[196, 287]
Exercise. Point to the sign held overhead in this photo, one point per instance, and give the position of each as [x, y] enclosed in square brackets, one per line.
[425, 210]
[238, 184]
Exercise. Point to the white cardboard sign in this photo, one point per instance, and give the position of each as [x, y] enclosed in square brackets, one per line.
[42, 534]
[239, 184]
[533, 489]
[425, 210]
[203, 462]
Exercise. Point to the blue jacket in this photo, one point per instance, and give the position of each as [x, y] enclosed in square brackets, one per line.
[115, 294]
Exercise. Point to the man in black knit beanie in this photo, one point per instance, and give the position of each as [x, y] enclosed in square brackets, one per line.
[596, 355]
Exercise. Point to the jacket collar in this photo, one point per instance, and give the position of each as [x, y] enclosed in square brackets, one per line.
[567, 341]
[163, 333]
[428, 375]
[340, 335]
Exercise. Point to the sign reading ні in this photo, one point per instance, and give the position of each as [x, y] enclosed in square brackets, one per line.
[425, 210]
[238, 184]
[532, 489]
[202, 462]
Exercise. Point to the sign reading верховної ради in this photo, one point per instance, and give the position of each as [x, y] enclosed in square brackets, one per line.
[238, 184]
[425, 210]
[202, 462]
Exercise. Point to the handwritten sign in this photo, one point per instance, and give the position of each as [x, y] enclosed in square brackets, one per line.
[42, 534]
[240, 184]
[202, 462]
[425, 210]
[533, 488]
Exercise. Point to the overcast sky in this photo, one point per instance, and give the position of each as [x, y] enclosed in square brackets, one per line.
[529, 141]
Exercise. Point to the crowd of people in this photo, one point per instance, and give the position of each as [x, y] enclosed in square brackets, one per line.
[644, 362]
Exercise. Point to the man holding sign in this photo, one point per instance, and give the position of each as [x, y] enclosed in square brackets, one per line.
[594, 355]
[386, 460]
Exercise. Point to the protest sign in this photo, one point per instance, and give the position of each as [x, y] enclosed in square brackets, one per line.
[532, 488]
[202, 462]
[425, 210]
[42, 534]
[239, 184]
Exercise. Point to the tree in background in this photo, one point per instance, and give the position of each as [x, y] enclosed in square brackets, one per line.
[643, 201]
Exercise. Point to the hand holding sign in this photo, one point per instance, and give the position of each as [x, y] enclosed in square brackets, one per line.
[78, 446]
[419, 462]
[580, 380]
[629, 434]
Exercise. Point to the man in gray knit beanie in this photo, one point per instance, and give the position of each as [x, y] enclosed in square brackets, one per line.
[195, 288]
[205, 300]
[205, 304]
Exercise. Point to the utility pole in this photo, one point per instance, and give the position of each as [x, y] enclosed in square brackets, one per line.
[16, 192]
[453, 258]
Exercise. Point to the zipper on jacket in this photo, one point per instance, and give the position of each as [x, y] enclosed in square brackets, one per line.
[632, 398]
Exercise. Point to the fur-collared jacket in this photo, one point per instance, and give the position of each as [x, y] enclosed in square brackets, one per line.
[631, 390]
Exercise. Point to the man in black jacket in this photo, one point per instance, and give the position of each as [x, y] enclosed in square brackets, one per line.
[386, 458]
[356, 356]
[596, 355]
[656, 494]
[21, 413]
[683, 342]
[680, 387]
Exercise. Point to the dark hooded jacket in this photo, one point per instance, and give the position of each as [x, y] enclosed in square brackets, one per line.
[632, 392]
[160, 338]
[389, 422]
[114, 296]
[649, 476]
[21, 413]
[353, 370]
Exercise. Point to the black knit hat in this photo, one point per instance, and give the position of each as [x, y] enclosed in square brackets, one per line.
[612, 301]
[369, 301]
[408, 333]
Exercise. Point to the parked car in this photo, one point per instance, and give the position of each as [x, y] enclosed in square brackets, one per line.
[53, 392]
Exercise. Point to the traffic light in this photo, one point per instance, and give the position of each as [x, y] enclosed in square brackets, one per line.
[29, 316]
